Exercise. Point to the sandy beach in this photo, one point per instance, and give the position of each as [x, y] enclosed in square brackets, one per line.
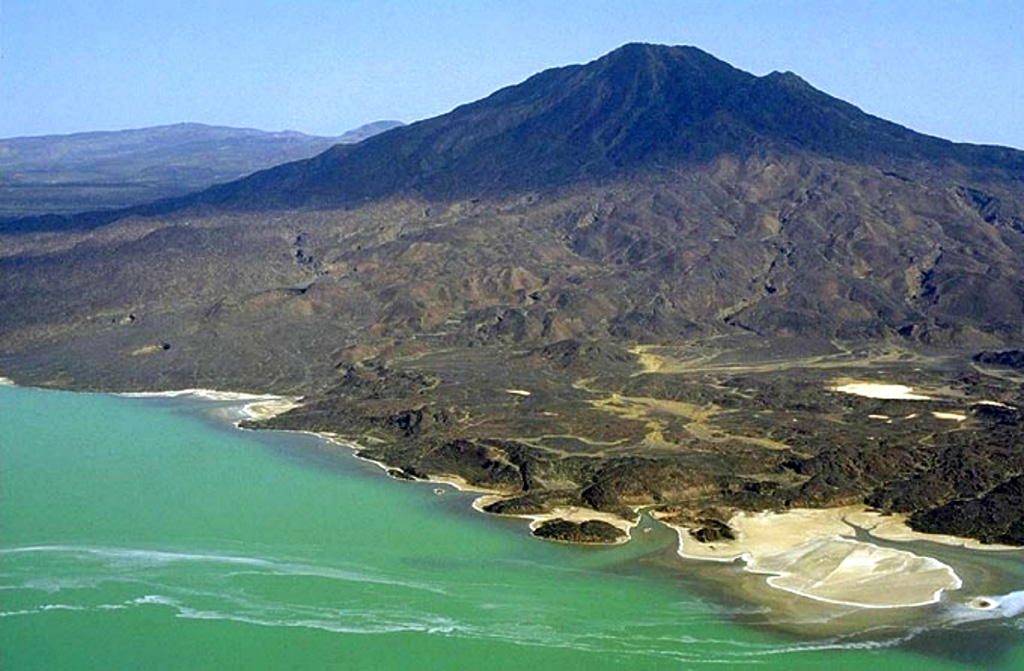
[814, 554]
[255, 407]
[811, 553]
[6, 382]
[265, 408]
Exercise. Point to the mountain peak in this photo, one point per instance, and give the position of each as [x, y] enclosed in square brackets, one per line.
[662, 60]
[639, 109]
[683, 52]
[788, 78]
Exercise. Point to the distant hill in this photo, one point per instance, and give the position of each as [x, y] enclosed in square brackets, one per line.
[114, 169]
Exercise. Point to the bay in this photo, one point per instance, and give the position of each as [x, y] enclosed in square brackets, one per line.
[149, 533]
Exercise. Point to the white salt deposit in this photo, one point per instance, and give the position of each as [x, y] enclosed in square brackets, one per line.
[896, 392]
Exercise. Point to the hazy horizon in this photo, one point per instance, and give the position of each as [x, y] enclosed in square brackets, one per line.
[322, 68]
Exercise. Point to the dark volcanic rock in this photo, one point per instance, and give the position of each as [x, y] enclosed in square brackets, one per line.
[995, 517]
[640, 106]
[1013, 358]
[591, 531]
[593, 356]
[712, 531]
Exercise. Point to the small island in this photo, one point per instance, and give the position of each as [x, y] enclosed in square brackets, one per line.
[588, 532]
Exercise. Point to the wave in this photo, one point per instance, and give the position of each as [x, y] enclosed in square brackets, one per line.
[217, 598]
[375, 622]
[45, 608]
[142, 558]
[601, 637]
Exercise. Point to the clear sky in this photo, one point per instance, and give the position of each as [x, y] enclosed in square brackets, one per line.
[953, 69]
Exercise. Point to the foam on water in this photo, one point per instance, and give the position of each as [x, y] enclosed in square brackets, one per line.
[223, 601]
[599, 636]
[45, 608]
[140, 562]
[1008, 605]
[144, 558]
[139, 556]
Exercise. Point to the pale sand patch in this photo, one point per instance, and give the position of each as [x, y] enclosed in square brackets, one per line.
[147, 349]
[896, 392]
[953, 416]
[995, 404]
[894, 528]
[6, 382]
[649, 363]
[517, 392]
[878, 416]
[812, 553]
[269, 407]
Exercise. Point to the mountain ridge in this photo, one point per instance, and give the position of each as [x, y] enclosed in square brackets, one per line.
[639, 108]
[68, 173]
[599, 119]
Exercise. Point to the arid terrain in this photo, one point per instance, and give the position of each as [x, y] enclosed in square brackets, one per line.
[643, 281]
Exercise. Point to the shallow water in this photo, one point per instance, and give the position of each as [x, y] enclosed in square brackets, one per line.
[146, 533]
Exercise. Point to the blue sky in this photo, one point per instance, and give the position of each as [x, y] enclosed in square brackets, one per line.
[953, 69]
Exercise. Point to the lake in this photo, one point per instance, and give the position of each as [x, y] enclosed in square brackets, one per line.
[150, 533]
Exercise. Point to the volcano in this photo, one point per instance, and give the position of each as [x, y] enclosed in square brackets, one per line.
[675, 261]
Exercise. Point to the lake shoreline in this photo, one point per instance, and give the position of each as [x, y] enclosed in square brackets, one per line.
[258, 407]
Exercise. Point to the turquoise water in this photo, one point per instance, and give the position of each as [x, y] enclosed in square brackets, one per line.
[146, 533]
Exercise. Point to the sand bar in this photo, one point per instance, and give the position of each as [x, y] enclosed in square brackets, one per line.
[813, 553]
[896, 392]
